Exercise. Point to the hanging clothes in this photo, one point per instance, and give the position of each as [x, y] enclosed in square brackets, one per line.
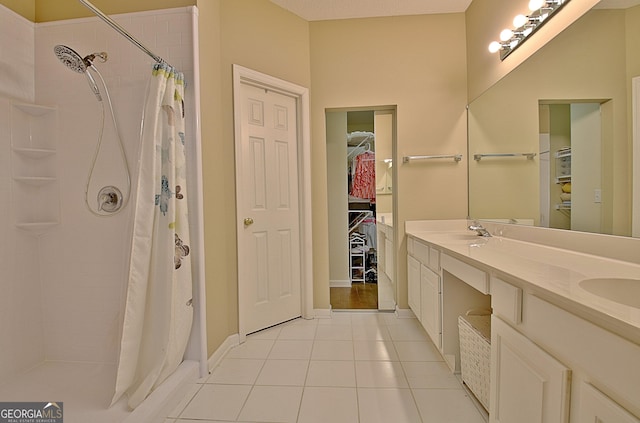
[158, 311]
[364, 178]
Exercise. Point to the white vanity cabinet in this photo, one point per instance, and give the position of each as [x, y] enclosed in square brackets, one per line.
[550, 365]
[527, 384]
[559, 352]
[430, 303]
[413, 281]
[597, 407]
[424, 286]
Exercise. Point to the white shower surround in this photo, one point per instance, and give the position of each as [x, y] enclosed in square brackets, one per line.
[69, 284]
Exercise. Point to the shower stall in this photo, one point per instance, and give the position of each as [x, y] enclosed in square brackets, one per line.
[65, 243]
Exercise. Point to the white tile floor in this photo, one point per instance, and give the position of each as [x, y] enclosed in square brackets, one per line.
[355, 367]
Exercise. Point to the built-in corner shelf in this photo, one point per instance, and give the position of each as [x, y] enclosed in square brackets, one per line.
[36, 228]
[35, 190]
[36, 110]
[34, 153]
[36, 181]
[563, 175]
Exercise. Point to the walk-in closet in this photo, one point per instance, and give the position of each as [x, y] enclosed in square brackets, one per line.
[358, 185]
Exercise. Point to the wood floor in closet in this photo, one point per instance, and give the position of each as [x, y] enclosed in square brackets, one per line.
[359, 296]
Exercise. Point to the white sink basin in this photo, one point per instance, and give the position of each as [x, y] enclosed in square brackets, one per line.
[622, 291]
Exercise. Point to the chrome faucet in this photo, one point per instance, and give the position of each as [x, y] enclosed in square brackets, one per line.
[475, 226]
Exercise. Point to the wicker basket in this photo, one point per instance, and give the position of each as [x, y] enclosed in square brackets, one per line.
[475, 354]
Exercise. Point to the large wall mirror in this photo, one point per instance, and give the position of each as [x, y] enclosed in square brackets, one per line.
[550, 144]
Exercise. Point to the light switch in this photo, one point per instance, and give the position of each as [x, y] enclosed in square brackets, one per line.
[597, 196]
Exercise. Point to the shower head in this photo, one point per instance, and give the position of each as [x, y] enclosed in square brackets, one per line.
[70, 58]
[78, 64]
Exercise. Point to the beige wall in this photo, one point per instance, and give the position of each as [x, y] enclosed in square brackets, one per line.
[418, 63]
[484, 21]
[337, 196]
[633, 41]
[505, 118]
[394, 61]
[261, 36]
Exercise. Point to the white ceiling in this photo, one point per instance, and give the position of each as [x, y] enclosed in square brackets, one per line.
[319, 10]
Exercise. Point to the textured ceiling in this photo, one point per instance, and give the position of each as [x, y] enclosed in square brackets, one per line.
[318, 10]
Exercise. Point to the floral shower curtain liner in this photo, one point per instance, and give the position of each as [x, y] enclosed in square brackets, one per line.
[159, 312]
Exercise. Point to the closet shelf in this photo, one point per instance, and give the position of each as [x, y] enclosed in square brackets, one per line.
[34, 153]
[34, 180]
[35, 109]
[360, 216]
[36, 227]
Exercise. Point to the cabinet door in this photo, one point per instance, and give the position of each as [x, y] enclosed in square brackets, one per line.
[413, 279]
[527, 384]
[430, 304]
[381, 241]
[597, 407]
[388, 257]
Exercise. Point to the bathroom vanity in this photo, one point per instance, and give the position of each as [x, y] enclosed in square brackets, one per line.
[386, 262]
[565, 321]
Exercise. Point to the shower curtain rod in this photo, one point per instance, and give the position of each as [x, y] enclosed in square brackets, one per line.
[122, 31]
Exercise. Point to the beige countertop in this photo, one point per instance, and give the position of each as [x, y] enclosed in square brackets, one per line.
[555, 271]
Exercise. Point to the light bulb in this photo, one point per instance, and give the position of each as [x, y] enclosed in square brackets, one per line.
[506, 34]
[520, 21]
[536, 4]
[494, 47]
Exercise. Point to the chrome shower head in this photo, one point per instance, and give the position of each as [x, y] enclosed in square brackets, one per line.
[78, 64]
[70, 58]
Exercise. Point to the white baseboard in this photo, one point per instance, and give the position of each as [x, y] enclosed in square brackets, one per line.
[322, 313]
[405, 313]
[340, 284]
[218, 354]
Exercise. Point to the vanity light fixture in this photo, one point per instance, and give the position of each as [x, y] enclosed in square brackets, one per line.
[540, 11]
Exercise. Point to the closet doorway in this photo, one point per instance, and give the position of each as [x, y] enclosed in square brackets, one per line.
[359, 176]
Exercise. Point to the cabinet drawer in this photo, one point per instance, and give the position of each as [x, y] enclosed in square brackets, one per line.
[421, 252]
[476, 278]
[506, 300]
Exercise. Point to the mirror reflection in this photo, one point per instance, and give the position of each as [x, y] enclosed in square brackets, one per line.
[570, 105]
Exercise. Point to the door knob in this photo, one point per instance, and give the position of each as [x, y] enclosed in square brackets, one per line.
[248, 221]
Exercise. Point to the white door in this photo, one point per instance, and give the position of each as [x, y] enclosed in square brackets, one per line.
[268, 212]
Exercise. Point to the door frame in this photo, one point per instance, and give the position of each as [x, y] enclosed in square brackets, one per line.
[635, 164]
[243, 75]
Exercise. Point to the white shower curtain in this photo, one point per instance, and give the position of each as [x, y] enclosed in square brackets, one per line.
[159, 312]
